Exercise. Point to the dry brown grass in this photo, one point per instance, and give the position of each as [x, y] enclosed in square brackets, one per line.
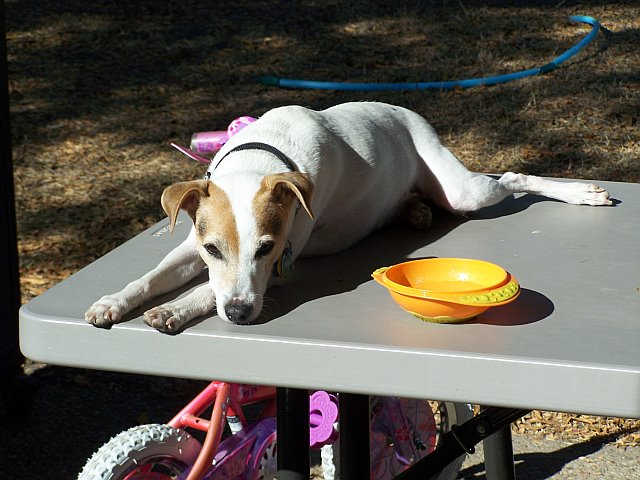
[99, 89]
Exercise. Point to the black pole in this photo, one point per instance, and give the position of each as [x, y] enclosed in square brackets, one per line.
[354, 436]
[293, 433]
[498, 455]
[10, 357]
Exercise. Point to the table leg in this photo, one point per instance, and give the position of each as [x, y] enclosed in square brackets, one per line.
[10, 356]
[498, 455]
[354, 436]
[293, 433]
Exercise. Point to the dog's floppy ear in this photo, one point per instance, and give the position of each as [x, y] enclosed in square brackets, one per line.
[185, 195]
[297, 183]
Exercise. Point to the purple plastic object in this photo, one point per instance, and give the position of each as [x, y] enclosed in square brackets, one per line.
[242, 456]
[211, 142]
[238, 124]
[323, 409]
[208, 142]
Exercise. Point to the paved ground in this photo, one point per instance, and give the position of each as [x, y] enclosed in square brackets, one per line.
[554, 460]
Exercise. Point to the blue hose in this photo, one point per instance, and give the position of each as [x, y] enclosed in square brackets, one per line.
[448, 85]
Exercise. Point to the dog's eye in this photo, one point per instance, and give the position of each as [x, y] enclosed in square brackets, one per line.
[213, 251]
[264, 249]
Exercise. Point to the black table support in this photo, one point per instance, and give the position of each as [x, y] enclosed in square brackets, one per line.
[293, 434]
[498, 454]
[354, 436]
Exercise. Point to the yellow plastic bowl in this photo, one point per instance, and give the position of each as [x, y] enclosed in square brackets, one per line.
[448, 290]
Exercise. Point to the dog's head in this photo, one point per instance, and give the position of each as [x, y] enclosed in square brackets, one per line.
[241, 230]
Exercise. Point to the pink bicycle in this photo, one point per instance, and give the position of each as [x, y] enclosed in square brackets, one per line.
[402, 432]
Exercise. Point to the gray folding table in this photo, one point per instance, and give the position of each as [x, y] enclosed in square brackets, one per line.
[570, 342]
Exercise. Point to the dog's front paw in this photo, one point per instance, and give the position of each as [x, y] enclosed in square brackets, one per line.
[105, 312]
[164, 319]
[592, 194]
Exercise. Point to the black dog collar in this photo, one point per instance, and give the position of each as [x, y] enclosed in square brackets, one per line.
[265, 148]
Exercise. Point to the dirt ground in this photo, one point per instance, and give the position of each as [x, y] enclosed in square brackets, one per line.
[100, 89]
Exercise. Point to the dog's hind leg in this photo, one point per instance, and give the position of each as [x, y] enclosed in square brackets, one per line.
[449, 184]
[476, 191]
[576, 193]
[180, 266]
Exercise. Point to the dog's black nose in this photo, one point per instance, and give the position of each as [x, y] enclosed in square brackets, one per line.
[238, 312]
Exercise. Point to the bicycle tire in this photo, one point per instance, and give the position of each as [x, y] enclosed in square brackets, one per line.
[384, 455]
[427, 420]
[145, 452]
[265, 464]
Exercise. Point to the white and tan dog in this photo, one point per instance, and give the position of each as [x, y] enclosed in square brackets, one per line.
[302, 182]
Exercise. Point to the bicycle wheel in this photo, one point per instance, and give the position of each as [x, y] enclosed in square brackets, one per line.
[405, 430]
[145, 452]
[265, 461]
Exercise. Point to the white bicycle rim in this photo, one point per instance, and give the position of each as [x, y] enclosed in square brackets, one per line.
[159, 448]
